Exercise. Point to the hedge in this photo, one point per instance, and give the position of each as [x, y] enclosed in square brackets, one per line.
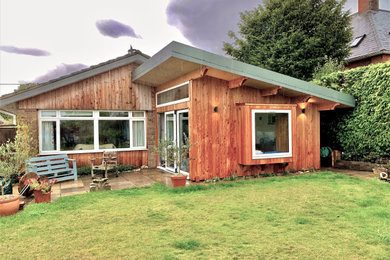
[362, 133]
[121, 168]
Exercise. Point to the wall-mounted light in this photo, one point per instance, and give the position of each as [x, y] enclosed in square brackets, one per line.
[303, 111]
[215, 109]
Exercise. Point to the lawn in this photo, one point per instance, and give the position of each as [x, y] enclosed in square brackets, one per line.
[322, 215]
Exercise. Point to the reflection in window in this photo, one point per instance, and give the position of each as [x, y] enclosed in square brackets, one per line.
[48, 135]
[271, 133]
[76, 135]
[138, 134]
[114, 134]
[172, 95]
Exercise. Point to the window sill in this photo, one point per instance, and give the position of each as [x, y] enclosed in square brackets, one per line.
[92, 151]
[267, 161]
[271, 156]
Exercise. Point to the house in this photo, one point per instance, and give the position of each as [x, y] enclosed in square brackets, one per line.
[371, 35]
[243, 119]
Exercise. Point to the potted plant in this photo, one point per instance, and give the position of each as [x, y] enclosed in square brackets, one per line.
[175, 154]
[13, 155]
[42, 188]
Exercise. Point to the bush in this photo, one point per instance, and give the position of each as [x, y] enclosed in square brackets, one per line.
[362, 133]
[121, 168]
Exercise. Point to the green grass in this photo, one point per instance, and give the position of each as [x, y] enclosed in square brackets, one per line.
[322, 215]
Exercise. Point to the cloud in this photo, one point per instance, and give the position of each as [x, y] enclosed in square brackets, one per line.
[115, 29]
[24, 51]
[206, 23]
[61, 70]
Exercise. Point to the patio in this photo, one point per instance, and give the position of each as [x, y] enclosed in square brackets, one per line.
[131, 179]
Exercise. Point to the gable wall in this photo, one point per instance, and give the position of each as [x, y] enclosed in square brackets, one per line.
[112, 90]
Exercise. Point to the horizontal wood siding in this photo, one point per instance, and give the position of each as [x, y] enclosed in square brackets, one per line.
[112, 90]
[135, 158]
[219, 136]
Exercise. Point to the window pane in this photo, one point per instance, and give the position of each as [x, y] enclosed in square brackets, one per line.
[76, 113]
[173, 95]
[114, 134]
[48, 133]
[48, 113]
[271, 132]
[138, 114]
[76, 135]
[138, 134]
[114, 114]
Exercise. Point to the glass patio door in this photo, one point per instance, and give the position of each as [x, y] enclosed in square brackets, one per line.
[173, 126]
[170, 134]
[182, 134]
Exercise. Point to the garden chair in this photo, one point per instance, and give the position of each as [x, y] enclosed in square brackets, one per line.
[108, 161]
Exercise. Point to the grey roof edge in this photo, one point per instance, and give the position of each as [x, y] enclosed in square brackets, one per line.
[138, 57]
[191, 54]
[367, 55]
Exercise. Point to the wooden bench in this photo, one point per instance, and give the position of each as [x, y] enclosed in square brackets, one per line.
[55, 166]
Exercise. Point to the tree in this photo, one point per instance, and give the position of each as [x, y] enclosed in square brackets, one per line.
[292, 37]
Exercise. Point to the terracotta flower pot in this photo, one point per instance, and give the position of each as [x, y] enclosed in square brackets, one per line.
[179, 181]
[40, 197]
[9, 206]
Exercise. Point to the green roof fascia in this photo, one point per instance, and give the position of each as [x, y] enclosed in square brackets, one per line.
[191, 54]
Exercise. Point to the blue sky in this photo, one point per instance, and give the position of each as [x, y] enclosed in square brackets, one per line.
[44, 39]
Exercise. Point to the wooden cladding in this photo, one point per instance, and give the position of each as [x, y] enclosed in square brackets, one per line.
[219, 135]
[135, 158]
[111, 90]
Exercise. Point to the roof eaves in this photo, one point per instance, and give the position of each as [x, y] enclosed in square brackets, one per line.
[195, 55]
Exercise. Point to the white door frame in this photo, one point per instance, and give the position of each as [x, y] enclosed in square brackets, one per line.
[174, 136]
[178, 134]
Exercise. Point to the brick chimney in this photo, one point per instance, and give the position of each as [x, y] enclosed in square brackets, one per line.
[365, 5]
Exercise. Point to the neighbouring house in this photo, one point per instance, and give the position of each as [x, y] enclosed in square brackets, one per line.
[243, 119]
[371, 35]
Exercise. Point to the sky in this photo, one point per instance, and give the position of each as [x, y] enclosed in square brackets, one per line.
[45, 39]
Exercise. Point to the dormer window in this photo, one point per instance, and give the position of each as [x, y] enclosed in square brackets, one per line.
[357, 41]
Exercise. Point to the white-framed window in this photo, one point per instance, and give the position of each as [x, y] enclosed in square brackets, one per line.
[7, 118]
[174, 95]
[79, 131]
[271, 134]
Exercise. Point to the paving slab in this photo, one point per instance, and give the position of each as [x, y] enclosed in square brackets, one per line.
[358, 174]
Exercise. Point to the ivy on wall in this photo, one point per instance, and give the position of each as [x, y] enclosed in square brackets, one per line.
[362, 133]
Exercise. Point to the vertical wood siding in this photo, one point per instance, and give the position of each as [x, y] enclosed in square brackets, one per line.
[135, 158]
[218, 135]
[111, 90]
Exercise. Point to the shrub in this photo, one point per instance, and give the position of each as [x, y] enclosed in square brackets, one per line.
[362, 133]
[121, 168]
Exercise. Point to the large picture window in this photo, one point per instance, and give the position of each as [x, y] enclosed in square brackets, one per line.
[88, 131]
[271, 133]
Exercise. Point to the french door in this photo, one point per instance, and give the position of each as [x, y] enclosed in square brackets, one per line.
[173, 126]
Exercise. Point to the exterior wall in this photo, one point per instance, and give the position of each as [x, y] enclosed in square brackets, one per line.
[30, 116]
[112, 90]
[216, 133]
[136, 158]
[367, 61]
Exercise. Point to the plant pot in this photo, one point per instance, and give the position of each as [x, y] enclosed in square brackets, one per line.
[9, 206]
[40, 197]
[179, 181]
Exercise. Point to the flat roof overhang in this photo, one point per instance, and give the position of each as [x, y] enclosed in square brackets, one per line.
[177, 59]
